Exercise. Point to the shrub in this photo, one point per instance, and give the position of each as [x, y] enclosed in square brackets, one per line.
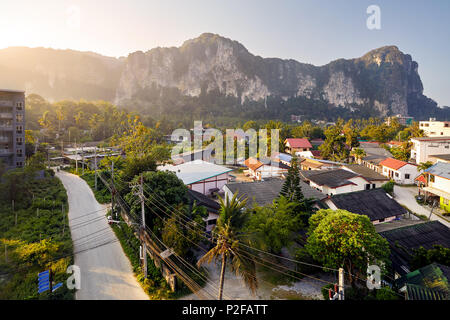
[389, 187]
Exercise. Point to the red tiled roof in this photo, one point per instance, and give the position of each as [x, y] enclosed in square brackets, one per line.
[393, 163]
[298, 143]
[396, 143]
[316, 153]
[253, 163]
[421, 178]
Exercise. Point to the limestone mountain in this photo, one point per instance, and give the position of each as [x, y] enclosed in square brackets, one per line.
[383, 82]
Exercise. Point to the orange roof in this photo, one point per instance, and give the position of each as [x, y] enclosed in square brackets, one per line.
[253, 163]
[298, 143]
[396, 143]
[421, 178]
[393, 163]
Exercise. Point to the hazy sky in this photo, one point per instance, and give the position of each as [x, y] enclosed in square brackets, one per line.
[315, 31]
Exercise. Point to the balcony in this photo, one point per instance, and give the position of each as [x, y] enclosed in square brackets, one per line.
[6, 127]
[5, 152]
[5, 139]
[6, 115]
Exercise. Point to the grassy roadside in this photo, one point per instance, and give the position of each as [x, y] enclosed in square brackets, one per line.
[40, 240]
[102, 194]
[155, 285]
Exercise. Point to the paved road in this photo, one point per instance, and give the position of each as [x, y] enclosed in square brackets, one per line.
[106, 273]
[405, 196]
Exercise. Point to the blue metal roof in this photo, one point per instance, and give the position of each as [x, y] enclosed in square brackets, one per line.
[285, 157]
[440, 169]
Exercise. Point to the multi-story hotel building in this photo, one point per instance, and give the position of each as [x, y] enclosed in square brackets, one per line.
[12, 128]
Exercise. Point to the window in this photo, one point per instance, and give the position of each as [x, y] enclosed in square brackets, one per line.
[19, 105]
[19, 129]
[19, 164]
[381, 220]
[374, 186]
[406, 175]
[19, 117]
[367, 186]
[19, 141]
[445, 201]
[396, 174]
[431, 178]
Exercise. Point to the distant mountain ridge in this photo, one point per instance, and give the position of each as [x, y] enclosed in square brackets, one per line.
[384, 80]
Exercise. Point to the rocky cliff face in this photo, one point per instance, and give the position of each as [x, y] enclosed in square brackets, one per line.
[383, 79]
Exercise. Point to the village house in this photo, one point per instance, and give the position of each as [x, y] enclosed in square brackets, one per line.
[440, 158]
[212, 207]
[318, 164]
[438, 184]
[374, 155]
[433, 128]
[264, 192]
[259, 171]
[200, 176]
[296, 145]
[374, 177]
[281, 157]
[424, 147]
[336, 181]
[400, 171]
[375, 203]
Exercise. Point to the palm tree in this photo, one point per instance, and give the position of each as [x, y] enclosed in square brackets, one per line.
[231, 219]
[424, 166]
[358, 154]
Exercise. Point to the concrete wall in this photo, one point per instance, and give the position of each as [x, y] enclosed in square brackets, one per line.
[205, 186]
[422, 150]
[399, 176]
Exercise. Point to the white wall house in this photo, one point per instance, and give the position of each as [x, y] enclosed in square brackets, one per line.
[336, 181]
[435, 128]
[400, 171]
[259, 170]
[424, 147]
[200, 176]
[352, 185]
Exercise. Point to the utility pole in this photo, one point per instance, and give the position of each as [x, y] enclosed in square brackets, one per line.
[76, 157]
[95, 166]
[113, 188]
[82, 157]
[144, 246]
[341, 283]
[140, 194]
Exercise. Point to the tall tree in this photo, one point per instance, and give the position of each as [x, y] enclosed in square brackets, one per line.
[227, 237]
[343, 239]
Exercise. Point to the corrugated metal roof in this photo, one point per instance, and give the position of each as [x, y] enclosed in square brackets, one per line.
[195, 171]
[264, 192]
[403, 240]
[440, 169]
[374, 203]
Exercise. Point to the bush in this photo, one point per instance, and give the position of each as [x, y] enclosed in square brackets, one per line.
[389, 187]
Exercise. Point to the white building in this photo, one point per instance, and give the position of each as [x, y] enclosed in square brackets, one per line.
[400, 171]
[433, 128]
[336, 181]
[200, 176]
[259, 170]
[424, 147]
